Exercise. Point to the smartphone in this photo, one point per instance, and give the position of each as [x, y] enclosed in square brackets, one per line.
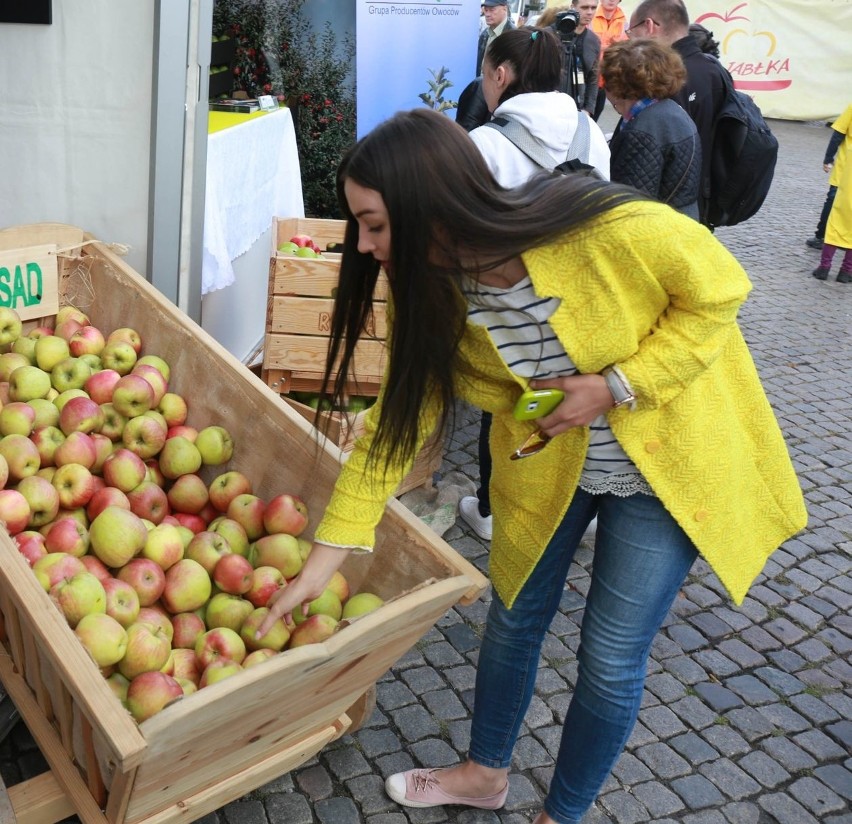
[534, 403]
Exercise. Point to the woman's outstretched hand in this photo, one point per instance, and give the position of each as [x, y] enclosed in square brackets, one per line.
[309, 584]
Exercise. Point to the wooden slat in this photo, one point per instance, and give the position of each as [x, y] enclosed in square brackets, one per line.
[304, 353]
[322, 232]
[39, 800]
[236, 786]
[312, 316]
[312, 277]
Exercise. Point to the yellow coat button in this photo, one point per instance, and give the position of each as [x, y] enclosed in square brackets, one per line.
[702, 515]
[653, 446]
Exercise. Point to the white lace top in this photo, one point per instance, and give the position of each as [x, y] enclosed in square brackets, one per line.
[517, 320]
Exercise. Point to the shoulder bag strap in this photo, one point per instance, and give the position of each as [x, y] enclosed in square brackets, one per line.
[520, 136]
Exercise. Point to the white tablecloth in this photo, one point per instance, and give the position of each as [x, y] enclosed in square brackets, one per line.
[252, 176]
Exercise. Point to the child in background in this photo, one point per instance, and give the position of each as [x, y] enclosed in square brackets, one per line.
[838, 230]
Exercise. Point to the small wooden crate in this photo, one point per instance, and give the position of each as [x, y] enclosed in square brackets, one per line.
[216, 745]
[299, 307]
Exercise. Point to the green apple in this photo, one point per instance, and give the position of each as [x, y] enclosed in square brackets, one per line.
[51, 350]
[28, 382]
[10, 325]
[361, 604]
[215, 445]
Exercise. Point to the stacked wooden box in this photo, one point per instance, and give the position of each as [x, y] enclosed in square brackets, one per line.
[300, 303]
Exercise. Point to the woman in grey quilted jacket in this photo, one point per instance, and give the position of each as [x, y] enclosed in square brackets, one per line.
[655, 147]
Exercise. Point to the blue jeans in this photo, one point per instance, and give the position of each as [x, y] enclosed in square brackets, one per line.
[640, 560]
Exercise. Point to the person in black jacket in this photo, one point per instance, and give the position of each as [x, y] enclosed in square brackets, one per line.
[705, 89]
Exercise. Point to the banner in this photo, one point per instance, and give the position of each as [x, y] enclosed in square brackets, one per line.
[413, 53]
[794, 58]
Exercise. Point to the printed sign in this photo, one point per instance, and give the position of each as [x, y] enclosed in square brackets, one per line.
[29, 281]
[413, 53]
[793, 71]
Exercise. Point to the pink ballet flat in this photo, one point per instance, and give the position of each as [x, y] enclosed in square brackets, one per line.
[420, 788]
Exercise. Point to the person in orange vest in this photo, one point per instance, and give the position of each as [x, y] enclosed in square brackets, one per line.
[608, 24]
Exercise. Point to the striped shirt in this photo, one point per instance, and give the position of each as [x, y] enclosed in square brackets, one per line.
[517, 320]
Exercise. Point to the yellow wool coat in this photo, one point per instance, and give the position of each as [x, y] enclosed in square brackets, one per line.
[655, 293]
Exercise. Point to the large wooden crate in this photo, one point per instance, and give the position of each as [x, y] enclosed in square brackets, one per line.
[218, 744]
[300, 301]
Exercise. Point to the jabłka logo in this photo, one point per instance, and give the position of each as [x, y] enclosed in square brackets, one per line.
[762, 70]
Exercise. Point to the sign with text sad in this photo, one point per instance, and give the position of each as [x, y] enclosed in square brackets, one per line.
[29, 281]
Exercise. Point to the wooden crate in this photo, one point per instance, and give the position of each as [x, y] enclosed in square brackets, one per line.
[300, 301]
[344, 428]
[216, 745]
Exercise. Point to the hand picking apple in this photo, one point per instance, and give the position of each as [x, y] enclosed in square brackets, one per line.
[323, 561]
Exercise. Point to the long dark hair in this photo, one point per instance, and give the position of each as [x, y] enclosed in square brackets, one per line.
[535, 56]
[439, 194]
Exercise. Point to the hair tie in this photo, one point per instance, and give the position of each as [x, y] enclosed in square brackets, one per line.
[534, 35]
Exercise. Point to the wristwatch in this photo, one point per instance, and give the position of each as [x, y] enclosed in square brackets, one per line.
[620, 391]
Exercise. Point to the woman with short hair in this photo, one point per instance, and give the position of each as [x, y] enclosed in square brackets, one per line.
[655, 147]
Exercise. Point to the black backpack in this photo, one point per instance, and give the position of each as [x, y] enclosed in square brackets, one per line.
[742, 161]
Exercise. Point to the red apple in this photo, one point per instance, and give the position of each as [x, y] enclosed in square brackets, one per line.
[233, 574]
[186, 627]
[247, 510]
[185, 664]
[264, 581]
[149, 501]
[164, 546]
[100, 385]
[122, 601]
[104, 497]
[285, 513]
[225, 487]
[56, 566]
[78, 448]
[81, 415]
[67, 535]
[150, 692]
[220, 643]
[97, 567]
[146, 577]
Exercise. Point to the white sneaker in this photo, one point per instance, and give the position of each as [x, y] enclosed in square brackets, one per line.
[469, 510]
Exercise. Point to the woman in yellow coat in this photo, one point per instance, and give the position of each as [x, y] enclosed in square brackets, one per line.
[664, 432]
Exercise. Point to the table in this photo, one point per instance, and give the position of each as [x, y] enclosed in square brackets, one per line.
[253, 175]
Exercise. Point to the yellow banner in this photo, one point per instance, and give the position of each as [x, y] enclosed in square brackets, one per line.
[794, 57]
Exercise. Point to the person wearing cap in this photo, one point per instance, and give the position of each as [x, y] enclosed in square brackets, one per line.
[497, 20]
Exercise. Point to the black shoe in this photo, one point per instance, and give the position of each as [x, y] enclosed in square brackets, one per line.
[814, 242]
[820, 273]
[844, 277]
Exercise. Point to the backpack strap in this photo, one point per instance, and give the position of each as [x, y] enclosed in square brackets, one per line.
[581, 145]
[520, 136]
[578, 152]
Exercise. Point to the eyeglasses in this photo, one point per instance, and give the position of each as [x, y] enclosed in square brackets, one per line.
[536, 441]
[631, 29]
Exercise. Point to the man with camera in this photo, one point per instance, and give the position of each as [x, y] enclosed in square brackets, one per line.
[582, 50]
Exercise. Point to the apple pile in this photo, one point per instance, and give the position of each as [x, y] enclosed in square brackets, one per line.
[301, 246]
[163, 577]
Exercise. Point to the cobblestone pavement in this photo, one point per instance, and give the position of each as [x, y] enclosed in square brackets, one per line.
[747, 714]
